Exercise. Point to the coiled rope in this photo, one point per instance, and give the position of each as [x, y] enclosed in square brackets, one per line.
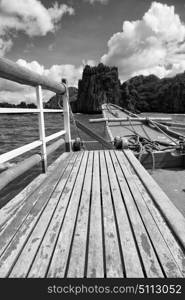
[140, 144]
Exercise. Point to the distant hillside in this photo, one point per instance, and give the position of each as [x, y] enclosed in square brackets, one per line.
[149, 93]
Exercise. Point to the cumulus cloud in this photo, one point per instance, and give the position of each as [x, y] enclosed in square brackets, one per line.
[100, 1]
[56, 72]
[155, 44]
[14, 93]
[30, 17]
[5, 45]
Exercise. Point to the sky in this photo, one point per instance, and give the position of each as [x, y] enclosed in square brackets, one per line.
[57, 38]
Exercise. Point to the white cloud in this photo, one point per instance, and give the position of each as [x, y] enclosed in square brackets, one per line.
[14, 93]
[100, 1]
[5, 45]
[30, 17]
[89, 62]
[155, 44]
[56, 72]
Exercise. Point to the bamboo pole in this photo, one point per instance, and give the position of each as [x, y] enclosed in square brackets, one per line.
[102, 120]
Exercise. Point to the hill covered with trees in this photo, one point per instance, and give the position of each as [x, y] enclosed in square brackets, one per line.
[151, 94]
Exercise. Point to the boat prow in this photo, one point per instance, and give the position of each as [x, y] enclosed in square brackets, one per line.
[147, 137]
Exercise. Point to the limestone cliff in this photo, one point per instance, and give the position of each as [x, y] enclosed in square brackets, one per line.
[98, 85]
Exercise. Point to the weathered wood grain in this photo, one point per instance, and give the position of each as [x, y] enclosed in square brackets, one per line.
[60, 256]
[172, 215]
[28, 253]
[131, 258]
[44, 255]
[12, 206]
[13, 239]
[77, 261]
[113, 261]
[163, 252]
[95, 266]
[150, 261]
[39, 198]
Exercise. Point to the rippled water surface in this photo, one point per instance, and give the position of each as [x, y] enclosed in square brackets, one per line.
[17, 130]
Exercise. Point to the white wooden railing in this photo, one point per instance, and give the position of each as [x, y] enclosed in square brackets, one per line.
[14, 72]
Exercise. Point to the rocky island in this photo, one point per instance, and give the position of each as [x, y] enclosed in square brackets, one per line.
[139, 94]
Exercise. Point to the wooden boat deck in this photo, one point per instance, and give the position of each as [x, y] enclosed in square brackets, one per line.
[94, 214]
[128, 129]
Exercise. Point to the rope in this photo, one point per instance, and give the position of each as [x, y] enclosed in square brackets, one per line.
[76, 128]
[169, 137]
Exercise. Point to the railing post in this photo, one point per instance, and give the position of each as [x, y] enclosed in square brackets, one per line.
[42, 128]
[67, 117]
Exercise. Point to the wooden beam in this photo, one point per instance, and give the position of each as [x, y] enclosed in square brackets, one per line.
[172, 215]
[12, 71]
[102, 120]
[10, 110]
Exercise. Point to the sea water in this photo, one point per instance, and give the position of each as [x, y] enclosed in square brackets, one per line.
[17, 130]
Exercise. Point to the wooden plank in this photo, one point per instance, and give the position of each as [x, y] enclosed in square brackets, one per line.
[12, 252]
[22, 265]
[95, 263]
[29, 212]
[77, 261]
[150, 261]
[164, 254]
[172, 215]
[27, 255]
[168, 236]
[113, 261]
[12, 71]
[131, 258]
[59, 260]
[43, 257]
[12, 208]
[9, 210]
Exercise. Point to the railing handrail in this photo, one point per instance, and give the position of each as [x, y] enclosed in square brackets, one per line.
[12, 71]
[12, 110]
